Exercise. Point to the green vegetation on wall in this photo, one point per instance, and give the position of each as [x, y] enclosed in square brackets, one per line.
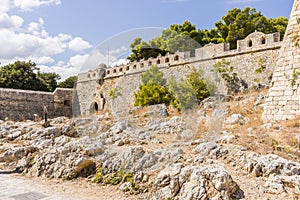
[226, 73]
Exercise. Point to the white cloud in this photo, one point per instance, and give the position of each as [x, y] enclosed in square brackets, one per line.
[78, 60]
[79, 45]
[96, 58]
[64, 70]
[5, 6]
[120, 50]
[37, 60]
[24, 45]
[26, 41]
[119, 62]
[10, 22]
[28, 5]
[37, 28]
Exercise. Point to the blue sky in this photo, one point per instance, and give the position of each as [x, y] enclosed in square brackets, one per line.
[60, 35]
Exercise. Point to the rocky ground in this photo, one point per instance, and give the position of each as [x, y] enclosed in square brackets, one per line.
[220, 151]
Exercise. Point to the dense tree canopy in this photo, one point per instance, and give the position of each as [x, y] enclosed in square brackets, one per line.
[235, 25]
[26, 76]
[68, 83]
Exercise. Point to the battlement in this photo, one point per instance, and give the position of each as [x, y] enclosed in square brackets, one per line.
[254, 42]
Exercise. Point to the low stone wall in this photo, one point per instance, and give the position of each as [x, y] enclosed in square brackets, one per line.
[25, 104]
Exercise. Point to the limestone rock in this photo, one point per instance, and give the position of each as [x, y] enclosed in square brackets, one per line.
[52, 132]
[16, 154]
[272, 164]
[69, 130]
[195, 182]
[236, 119]
[210, 150]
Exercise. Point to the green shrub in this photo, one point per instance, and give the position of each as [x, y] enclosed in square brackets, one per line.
[151, 94]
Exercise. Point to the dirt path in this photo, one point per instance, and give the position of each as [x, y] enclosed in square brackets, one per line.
[18, 187]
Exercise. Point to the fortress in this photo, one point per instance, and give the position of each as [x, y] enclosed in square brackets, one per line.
[255, 51]
[254, 61]
[92, 91]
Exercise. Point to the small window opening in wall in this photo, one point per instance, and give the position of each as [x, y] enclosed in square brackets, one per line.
[250, 44]
[108, 72]
[167, 60]
[158, 62]
[150, 64]
[89, 76]
[127, 68]
[115, 70]
[134, 66]
[94, 74]
[263, 41]
[176, 58]
[121, 69]
[94, 108]
[142, 64]
[67, 103]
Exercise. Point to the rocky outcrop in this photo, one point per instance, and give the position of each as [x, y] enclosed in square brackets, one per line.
[121, 152]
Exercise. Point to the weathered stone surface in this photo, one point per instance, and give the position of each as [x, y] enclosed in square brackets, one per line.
[285, 84]
[16, 154]
[24, 104]
[195, 182]
[236, 119]
[210, 150]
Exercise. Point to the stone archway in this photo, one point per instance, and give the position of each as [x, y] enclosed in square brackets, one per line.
[94, 107]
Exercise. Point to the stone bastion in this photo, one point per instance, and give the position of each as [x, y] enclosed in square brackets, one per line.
[257, 49]
[92, 90]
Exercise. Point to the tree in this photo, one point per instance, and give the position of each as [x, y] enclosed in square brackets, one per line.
[191, 91]
[151, 94]
[19, 75]
[175, 38]
[48, 80]
[184, 94]
[235, 25]
[26, 76]
[153, 75]
[152, 90]
[68, 83]
[200, 85]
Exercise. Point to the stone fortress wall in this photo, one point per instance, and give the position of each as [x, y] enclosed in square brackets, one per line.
[92, 90]
[283, 101]
[257, 49]
[25, 104]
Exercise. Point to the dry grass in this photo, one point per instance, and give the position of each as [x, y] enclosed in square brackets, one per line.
[280, 139]
[292, 123]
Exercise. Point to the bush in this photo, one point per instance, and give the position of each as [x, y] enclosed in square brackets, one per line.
[151, 94]
[183, 95]
[190, 92]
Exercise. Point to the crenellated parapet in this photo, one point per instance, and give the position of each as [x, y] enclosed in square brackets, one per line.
[257, 52]
[254, 42]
